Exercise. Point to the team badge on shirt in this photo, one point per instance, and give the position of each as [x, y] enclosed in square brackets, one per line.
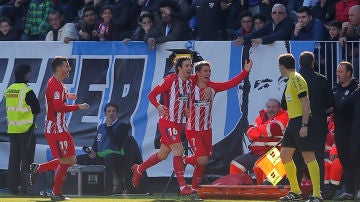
[98, 137]
[56, 95]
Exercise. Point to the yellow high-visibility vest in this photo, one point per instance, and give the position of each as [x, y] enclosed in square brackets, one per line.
[19, 115]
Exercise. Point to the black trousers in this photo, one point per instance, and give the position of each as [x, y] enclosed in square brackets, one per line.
[20, 158]
[348, 160]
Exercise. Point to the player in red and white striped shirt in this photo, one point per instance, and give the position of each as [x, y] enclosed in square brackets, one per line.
[175, 89]
[56, 133]
[198, 126]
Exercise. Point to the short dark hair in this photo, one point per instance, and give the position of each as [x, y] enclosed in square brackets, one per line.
[58, 61]
[348, 66]
[287, 60]
[147, 15]
[88, 8]
[178, 62]
[335, 23]
[306, 59]
[106, 7]
[110, 104]
[200, 64]
[21, 71]
[305, 9]
[55, 12]
[5, 19]
[245, 13]
[260, 17]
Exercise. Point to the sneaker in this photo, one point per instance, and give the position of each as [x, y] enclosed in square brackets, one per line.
[59, 197]
[136, 175]
[34, 167]
[187, 190]
[314, 199]
[291, 196]
[345, 196]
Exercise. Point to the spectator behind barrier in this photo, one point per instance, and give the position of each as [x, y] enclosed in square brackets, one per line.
[88, 24]
[211, 19]
[280, 28]
[106, 29]
[324, 10]
[170, 28]
[61, 31]
[247, 26]
[36, 24]
[259, 21]
[147, 23]
[351, 32]
[308, 28]
[7, 31]
[342, 8]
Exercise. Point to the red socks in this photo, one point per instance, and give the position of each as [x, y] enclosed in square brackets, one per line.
[50, 165]
[198, 176]
[152, 160]
[179, 170]
[59, 178]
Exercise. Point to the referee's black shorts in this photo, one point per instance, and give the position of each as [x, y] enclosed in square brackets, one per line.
[292, 135]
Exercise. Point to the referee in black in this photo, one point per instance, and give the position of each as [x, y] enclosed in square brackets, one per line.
[321, 103]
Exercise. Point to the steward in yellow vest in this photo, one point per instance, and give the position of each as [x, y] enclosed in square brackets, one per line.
[21, 107]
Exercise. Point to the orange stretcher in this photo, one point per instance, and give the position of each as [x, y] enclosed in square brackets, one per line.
[264, 192]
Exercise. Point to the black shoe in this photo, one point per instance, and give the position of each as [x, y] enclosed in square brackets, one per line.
[34, 167]
[314, 199]
[291, 196]
[59, 197]
[345, 196]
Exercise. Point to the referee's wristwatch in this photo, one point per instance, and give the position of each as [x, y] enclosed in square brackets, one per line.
[304, 125]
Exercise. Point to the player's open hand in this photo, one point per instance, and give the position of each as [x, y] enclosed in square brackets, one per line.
[84, 106]
[248, 65]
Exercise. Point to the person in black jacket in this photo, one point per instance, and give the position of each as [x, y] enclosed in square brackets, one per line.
[114, 148]
[7, 31]
[343, 120]
[321, 103]
[279, 29]
[22, 106]
[170, 28]
[211, 16]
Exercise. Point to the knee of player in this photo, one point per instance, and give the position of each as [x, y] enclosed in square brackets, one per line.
[202, 161]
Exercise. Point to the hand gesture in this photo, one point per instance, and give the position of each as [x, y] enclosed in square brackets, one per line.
[256, 41]
[239, 41]
[84, 106]
[248, 65]
[298, 26]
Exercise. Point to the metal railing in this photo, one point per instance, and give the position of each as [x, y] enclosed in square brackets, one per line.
[330, 53]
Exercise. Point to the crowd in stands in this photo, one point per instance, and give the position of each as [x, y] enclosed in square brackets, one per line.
[158, 21]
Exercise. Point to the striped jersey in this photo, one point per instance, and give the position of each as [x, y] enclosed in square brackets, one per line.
[200, 106]
[175, 92]
[56, 107]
